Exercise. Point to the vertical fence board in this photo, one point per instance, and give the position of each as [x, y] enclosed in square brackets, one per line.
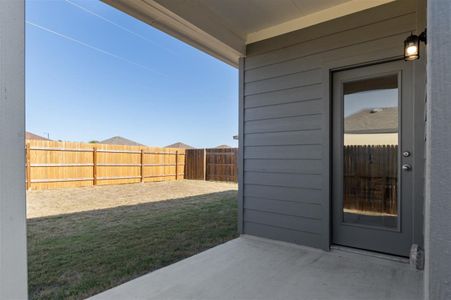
[94, 166]
[28, 167]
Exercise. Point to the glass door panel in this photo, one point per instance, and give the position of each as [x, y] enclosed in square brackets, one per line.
[370, 151]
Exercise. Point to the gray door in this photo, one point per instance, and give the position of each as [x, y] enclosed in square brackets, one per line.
[372, 158]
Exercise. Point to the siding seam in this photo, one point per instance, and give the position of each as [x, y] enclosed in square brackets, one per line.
[283, 89]
[283, 75]
[286, 186]
[282, 227]
[284, 117]
[282, 214]
[280, 172]
[275, 104]
[282, 200]
[281, 131]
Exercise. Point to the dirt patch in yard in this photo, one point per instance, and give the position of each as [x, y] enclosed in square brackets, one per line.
[43, 203]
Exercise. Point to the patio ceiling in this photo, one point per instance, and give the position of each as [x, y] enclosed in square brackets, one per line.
[224, 28]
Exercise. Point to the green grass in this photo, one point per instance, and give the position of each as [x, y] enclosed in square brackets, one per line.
[78, 255]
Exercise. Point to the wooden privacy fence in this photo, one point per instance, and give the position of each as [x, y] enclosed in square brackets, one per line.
[214, 164]
[52, 164]
[370, 179]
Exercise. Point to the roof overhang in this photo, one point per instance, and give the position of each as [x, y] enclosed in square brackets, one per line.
[224, 28]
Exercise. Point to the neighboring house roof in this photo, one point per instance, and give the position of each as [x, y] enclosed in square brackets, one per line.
[180, 145]
[118, 140]
[32, 136]
[377, 120]
[223, 146]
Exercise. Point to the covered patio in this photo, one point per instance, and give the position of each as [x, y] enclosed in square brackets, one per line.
[256, 268]
[297, 61]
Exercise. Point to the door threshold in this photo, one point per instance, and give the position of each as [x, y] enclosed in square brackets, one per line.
[389, 257]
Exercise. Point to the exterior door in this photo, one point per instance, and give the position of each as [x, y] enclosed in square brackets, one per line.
[372, 158]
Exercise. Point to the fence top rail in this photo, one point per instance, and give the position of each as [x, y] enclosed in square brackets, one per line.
[63, 165]
[61, 149]
[163, 153]
[103, 150]
[118, 151]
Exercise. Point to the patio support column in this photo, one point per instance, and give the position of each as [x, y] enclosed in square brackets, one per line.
[13, 250]
[240, 163]
[438, 152]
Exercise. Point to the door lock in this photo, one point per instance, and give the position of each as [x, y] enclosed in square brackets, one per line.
[407, 167]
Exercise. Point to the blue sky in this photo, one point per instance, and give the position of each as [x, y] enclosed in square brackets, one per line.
[93, 72]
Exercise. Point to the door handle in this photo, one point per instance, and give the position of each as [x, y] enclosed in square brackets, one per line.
[406, 167]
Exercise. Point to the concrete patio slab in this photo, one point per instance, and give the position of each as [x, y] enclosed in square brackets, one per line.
[254, 268]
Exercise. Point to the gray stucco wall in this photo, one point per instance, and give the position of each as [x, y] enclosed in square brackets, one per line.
[285, 125]
[13, 255]
[438, 151]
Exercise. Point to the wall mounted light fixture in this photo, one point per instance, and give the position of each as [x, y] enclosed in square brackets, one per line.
[412, 46]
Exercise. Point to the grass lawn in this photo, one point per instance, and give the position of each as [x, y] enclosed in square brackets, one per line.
[77, 255]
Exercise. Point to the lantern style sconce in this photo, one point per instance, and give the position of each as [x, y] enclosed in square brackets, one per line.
[412, 46]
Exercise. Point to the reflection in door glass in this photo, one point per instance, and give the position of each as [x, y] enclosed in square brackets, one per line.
[371, 151]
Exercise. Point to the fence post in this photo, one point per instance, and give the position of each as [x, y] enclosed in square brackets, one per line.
[205, 164]
[176, 165]
[28, 166]
[94, 165]
[142, 165]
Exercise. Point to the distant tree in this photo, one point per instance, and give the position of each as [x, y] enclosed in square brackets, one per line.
[93, 142]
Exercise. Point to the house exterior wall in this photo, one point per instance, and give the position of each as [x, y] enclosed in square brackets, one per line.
[285, 135]
[438, 167]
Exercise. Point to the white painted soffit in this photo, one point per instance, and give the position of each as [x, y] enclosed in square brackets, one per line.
[209, 32]
[161, 18]
[321, 16]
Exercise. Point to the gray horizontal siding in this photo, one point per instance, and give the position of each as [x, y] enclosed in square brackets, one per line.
[301, 137]
[307, 225]
[284, 152]
[296, 94]
[359, 35]
[307, 122]
[307, 166]
[285, 124]
[306, 181]
[284, 234]
[295, 194]
[298, 209]
[284, 110]
[303, 78]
